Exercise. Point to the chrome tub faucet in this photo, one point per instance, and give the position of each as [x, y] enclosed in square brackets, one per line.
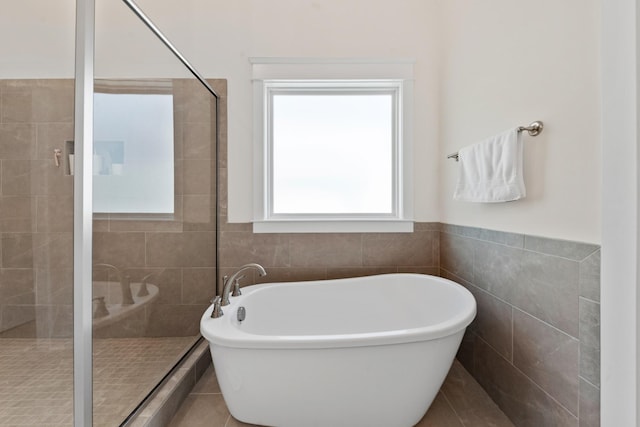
[232, 282]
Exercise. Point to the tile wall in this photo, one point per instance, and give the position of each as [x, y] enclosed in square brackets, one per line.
[535, 343]
[314, 256]
[36, 116]
[36, 215]
[181, 251]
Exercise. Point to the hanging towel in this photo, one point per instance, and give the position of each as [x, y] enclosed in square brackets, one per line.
[490, 171]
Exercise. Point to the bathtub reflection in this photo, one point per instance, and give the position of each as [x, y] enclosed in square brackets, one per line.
[114, 319]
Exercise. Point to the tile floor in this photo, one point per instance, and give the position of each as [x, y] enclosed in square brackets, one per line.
[460, 403]
[36, 378]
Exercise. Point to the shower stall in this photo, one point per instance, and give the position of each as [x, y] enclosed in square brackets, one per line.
[108, 214]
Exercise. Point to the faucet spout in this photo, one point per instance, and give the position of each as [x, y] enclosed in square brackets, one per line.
[228, 283]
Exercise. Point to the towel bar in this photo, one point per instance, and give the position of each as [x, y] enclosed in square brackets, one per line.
[534, 129]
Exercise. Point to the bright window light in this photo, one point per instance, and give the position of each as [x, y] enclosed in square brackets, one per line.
[332, 153]
[332, 150]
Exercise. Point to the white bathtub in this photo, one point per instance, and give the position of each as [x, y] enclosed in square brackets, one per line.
[368, 351]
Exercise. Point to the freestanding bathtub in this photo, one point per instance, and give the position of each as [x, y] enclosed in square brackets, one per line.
[367, 351]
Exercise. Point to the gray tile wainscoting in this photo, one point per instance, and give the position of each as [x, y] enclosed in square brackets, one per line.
[535, 343]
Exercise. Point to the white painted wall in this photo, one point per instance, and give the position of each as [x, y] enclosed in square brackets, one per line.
[480, 68]
[506, 63]
[220, 37]
[38, 39]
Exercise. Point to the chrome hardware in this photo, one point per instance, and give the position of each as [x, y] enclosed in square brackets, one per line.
[242, 314]
[155, 30]
[534, 129]
[217, 310]
[236, 287]
[229, 281]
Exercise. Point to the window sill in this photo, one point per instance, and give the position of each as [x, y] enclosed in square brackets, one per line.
[334, 226]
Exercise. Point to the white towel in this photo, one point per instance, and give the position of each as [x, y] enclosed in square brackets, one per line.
[491, 170]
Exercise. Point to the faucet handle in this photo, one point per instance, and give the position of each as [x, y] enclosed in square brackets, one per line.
[217, 309]
[236, 287]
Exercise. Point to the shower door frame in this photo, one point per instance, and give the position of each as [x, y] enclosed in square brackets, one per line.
[83, 215]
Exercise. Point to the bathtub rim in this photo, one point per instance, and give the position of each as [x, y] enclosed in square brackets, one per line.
[227, 335]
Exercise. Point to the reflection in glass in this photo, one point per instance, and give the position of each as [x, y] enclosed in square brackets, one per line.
[154, 271]
[133, 158]
[154, 239]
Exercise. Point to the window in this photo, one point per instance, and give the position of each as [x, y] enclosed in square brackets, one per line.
[332, 156]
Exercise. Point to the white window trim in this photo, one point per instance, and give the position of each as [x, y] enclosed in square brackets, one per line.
[342, 72]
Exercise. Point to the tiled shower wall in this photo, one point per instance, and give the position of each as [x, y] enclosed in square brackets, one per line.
[181, 251]
[535, 344]
[36, 219]
[36, 215]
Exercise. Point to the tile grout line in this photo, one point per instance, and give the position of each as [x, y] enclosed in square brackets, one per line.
[588, 299]
[513, 346]
[514, 306]
[530, 379]
[550, 325]
[588, 382]
[523, 247]
[444, 395]
[205, 393]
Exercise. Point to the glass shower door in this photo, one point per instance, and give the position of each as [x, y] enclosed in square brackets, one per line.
[36, 213]
[154, 261]
[154, 204]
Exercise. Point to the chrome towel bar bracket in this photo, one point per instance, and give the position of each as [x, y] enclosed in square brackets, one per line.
[534, 128]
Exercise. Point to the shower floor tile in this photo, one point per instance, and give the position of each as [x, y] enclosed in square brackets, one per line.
[461, 402]
[36, 377]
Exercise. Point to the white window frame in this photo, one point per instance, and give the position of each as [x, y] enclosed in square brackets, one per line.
[273, 76]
